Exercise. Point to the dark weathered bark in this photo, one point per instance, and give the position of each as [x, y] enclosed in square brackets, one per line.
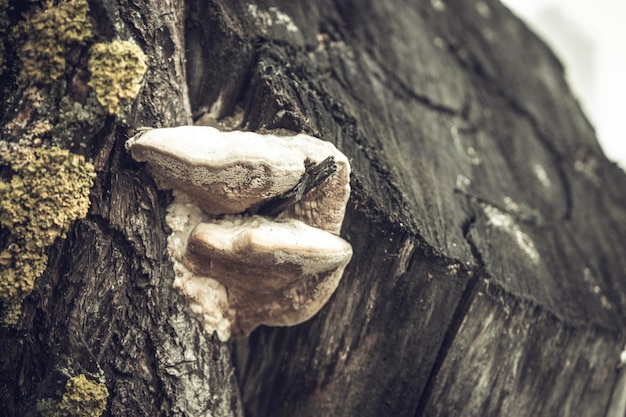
[487, 225]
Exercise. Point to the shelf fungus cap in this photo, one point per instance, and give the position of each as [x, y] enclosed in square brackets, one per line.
[279, 269]
[276, 273]
[230, 172]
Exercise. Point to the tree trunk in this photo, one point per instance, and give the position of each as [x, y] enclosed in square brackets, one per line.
[488, 228]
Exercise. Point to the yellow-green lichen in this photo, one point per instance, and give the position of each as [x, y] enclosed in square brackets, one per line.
[82, 398]
[45, 37]
[48, 190]
[116, 71]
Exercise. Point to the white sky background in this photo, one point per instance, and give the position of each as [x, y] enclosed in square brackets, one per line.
[589, 37]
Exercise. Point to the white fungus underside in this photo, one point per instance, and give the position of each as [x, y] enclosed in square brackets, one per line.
[207, 297]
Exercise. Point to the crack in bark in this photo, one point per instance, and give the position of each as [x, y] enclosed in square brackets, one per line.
[460, 312]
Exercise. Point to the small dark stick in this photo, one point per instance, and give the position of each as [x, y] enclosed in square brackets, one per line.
[313, 176]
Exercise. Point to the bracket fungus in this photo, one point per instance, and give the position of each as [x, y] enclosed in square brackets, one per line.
[255, 222]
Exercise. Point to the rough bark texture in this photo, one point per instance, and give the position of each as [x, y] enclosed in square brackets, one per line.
[487, 225]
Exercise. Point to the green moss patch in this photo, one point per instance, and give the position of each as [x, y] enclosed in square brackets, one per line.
[46, 36]
[116, 69]
[48, 190]
[82, 398]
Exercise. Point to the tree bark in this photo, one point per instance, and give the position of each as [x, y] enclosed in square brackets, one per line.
[488, 227]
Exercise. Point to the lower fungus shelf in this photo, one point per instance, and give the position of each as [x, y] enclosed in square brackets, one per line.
[277, 273]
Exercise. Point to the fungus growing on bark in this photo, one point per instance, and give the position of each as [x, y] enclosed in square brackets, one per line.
[260, 214]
